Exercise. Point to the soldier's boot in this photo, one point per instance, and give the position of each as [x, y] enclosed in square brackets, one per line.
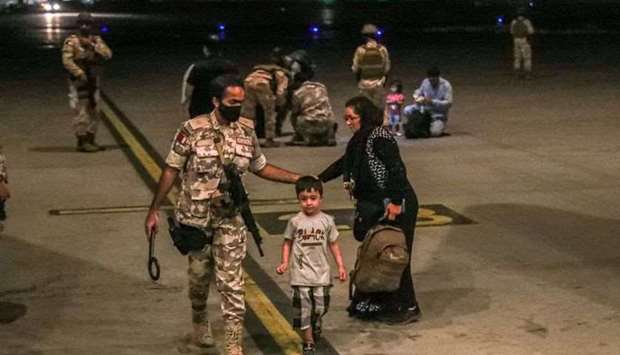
[91, 139]
[233, 336]
[83, 145]
[270, 143]
[202, 335]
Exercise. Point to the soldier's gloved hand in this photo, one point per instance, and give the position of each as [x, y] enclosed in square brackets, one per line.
[151, 224]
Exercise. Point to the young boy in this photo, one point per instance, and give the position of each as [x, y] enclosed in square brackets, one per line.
[308, 235]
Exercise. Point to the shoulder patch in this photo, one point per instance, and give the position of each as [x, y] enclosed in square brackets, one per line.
[246, 122]
[198, 122]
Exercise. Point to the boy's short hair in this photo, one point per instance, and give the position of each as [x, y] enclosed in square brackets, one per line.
[308, 183]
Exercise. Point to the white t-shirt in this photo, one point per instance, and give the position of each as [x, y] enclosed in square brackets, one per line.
[311, 236]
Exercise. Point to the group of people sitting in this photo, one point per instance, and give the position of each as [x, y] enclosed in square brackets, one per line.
[427, 116]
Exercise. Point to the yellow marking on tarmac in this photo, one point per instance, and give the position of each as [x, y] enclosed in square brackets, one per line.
[272, 319]
[431, 218]
[104, 210]
[145, 159]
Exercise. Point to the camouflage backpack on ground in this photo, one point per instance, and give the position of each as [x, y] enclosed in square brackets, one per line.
[372, 64]
[381, 260]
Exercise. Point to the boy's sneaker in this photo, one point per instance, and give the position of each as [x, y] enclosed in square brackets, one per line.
[309, 349]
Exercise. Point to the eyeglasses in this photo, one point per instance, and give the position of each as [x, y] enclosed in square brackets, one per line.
[351, 118]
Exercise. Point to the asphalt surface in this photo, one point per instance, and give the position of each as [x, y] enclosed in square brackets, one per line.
[532, 163]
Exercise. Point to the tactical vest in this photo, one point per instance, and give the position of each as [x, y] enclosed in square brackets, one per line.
[520, 30]
[372, 64]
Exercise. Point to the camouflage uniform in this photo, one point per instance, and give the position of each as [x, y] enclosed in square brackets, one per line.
[372, 72]
[266, 86]
[311, 114]
[520, 29]
[84, 62]
[3, 173]
[195, 153]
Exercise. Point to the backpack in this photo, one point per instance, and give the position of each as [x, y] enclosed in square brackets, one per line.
[520, 30]
[371, 64]
[381, 260]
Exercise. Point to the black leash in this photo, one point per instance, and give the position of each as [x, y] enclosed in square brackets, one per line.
[153, 264]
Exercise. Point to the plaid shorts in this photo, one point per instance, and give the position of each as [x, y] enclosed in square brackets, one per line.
[310, 303]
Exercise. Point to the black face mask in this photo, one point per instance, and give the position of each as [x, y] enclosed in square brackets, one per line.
[230, 113]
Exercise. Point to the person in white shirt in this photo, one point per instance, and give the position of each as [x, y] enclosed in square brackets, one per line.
[428, 116]
[308, 237]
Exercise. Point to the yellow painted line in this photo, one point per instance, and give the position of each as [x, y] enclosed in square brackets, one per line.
[145, 159]
[104, 210]
[279, 328]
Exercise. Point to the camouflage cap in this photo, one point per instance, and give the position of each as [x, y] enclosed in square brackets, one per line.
[369, 29]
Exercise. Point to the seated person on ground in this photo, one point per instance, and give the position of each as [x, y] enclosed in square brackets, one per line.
[311, 113]
[428, 116]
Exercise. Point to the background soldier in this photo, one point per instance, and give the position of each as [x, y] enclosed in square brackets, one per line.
[200, 74]
[520, 29]
[266, 87]
[4, 189]
[311, 113]
[202, 146]
[371, 65]
[82, 55]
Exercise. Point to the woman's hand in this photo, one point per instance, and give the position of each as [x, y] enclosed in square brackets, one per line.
[392, 211]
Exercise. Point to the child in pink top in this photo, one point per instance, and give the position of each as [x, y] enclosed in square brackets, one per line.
[394, 102]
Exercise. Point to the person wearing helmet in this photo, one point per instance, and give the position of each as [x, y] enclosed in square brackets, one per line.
[311, 113]
[83, 53]
[521, 29]
[371, 65]
[266, 88]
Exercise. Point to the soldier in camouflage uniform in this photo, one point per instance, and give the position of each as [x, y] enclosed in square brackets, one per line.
[521, 29]
[371, 65]
[4, 190]
[266, 86]
[200, 148]
[82, 55]
[311, 114]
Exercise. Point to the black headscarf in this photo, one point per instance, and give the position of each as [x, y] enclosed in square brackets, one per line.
[371, 117]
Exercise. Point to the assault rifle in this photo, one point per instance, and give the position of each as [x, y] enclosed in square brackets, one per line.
[241, 201]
